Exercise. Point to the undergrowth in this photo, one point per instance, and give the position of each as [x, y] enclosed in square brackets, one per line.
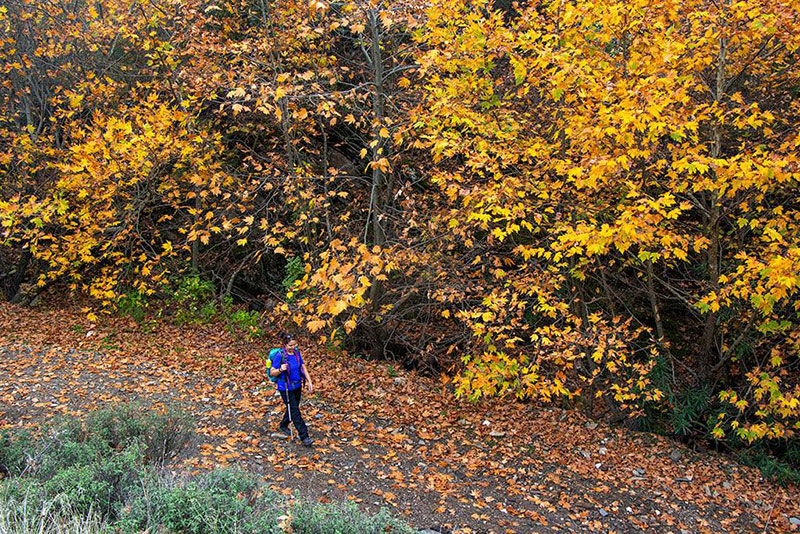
[106, 474]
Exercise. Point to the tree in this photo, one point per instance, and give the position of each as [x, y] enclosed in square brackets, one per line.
[626, 170]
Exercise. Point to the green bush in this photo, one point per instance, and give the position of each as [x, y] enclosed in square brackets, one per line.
[160, 434]
[24, 509]
[691, 410]
[22, 490]
[219, 502]
[166, 434]
[777, 461]
[294, 271]
[246, 321]
[73, 443]
[194, 298]
[133, 304]
[99, 486]
[12, 452]
[92, 476]
[343, 518]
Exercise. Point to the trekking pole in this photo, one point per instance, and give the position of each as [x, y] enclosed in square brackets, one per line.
[288, 398]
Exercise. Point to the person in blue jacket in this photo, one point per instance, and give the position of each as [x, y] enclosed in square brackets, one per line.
[291, 372]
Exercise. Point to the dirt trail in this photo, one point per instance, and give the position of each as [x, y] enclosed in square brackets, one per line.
[385, 438]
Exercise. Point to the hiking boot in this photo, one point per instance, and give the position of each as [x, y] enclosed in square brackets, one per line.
[285, 431]
[308, 442]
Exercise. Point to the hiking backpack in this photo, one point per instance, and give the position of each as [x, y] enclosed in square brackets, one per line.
[274, 354]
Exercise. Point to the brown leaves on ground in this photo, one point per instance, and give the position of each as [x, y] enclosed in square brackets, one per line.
[384, 438]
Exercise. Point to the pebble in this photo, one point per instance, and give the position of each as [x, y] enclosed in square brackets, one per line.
[676, 455]
[603, 513]
[638, 472]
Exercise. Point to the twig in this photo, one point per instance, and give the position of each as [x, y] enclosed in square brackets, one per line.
[769, 515]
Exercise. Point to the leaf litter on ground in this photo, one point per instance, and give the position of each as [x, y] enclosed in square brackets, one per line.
[407, 444]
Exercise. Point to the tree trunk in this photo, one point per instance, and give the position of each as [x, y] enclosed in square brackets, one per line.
[378, 197]
[12, 292]
[708, 342]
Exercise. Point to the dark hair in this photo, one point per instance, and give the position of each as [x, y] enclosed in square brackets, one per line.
[286, 337]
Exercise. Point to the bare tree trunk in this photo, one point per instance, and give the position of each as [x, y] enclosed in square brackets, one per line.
[12, 292]
[378, 197]
[713, 255]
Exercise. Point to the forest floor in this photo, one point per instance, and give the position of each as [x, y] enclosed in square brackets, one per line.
[384, 437]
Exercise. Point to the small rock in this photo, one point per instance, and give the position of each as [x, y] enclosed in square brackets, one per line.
[676, 455]
[279, 435]
[486, 422]
[586, 454]
[638, 472]
[497, 434]
[399, 381]
[727, 485]
[428, 531]
[318, 416]
[687, 478]
[421, 442]
[602, 450]
[603, 513]
[591, 425]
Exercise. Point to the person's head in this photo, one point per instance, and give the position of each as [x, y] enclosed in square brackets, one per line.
[288, 341]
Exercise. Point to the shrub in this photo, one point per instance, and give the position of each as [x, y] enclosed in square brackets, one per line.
[219, 502]
[294, 271]
[343, 518]
[91, 477]
[166, 434]
[690, 413]
[157, 435]
[24, 489]
[777, 460]
[12, 452]
[27, 511]
[99, 486]
[194, 298]
[64, 451]
[246, 321]
[132, 304]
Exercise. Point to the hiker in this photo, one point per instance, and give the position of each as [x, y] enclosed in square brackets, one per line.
[289, 372]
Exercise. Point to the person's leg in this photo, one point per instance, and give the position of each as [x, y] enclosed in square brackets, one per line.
[285, 421]
[297, 417]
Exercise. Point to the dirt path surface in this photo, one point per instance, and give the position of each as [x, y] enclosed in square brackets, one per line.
[385, 438]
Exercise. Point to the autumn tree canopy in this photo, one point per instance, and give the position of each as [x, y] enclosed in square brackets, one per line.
[589, 201]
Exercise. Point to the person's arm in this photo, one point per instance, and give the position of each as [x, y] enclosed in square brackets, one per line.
[276, 371]
[308, 379]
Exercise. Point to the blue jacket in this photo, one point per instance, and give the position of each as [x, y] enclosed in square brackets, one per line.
[295, 362]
